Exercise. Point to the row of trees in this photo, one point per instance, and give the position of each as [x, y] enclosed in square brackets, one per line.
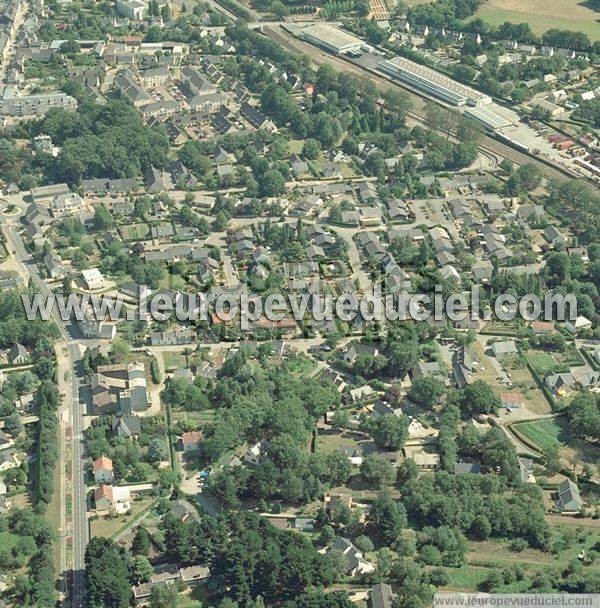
[47, 400]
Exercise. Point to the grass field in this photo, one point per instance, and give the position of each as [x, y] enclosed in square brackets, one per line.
[544, 433]
[542, 15]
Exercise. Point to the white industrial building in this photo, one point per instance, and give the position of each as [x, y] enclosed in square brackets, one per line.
[433, 83]
[493, 117]
[332, 38]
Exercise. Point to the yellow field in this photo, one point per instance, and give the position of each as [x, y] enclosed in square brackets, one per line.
[543, 15]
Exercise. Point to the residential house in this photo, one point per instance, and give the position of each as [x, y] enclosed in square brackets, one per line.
[43, 195]
[526, 470]
[93, 278]
[512, 401]
[352, 556]
[381, 596]
[542, 327]
[554, 236]
[560, 384]
[135, 290]
[357, 349]
[157, 180]
[107, 497]
[56, 268]
[300, 167]
[8, 460]
[503, 348]
[568, 499]
[579, 324]
[423, 369]
[67, 204]
[464, 364]
[5, 505]
[175, 337]
[257, 453]
[427, 461]
[120, 387]
[127, 427]
[190, 440]
[482, 271]
[5, 440]
[17, 354]
[467, 467]
[103, 470]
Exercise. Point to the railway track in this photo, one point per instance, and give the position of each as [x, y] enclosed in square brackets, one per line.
[487, 143]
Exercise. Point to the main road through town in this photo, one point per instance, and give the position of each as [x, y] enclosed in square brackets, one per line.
[80, 531]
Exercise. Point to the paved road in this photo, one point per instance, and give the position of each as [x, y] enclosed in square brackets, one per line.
[80, 531]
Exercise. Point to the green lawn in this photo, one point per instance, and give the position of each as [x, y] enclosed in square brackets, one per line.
[544, 433]
[109, 526]
[173, 360]
[541, 362]
[135, 232]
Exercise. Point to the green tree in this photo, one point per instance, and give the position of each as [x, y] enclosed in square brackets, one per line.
[141, 569]
[386, 520]
[377, 472]
[107, 575]
[311, 149]
[390, 431]
[426, 391]
[479, 398]
[141, 542]
[163, 596]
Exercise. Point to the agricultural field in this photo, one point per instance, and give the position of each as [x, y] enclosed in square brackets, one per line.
[542, 15]
[546, 433]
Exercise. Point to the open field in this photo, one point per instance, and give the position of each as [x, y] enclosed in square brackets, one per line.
[542, 15]
[544, 433]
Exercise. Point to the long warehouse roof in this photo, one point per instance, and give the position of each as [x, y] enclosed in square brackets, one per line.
[332, 35]
[434, 78]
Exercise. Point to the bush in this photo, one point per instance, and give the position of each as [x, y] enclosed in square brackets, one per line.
[517, 545]
[430, 555]
[155, 371]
